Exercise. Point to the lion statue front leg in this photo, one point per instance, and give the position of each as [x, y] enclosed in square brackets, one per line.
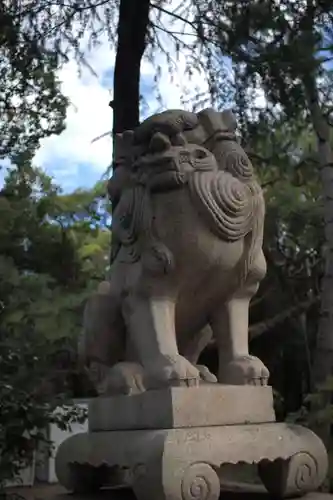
[151, 326]
[230, 325]
[109, 351]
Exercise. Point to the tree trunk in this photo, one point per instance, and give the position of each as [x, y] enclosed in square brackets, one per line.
[132, 36]
[323, 364]
[323, 359]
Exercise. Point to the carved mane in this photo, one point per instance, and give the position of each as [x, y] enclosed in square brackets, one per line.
[133, 228]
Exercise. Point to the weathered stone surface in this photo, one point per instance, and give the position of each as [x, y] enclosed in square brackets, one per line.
[204, 406]
[172, 463]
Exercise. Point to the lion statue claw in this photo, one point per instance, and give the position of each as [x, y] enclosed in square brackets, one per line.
[187, 257]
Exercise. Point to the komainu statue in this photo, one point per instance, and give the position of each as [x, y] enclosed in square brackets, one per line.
[187, 257]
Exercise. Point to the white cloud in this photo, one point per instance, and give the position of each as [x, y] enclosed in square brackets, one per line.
[88, 117]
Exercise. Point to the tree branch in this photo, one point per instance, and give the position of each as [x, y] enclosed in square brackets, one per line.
[175, 16]
[260, 328]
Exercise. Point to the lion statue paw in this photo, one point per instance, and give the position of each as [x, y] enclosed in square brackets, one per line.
[129, 378]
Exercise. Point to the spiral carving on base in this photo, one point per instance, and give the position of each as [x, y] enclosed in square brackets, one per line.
[298, 475]
[200, 482]
[302, 473]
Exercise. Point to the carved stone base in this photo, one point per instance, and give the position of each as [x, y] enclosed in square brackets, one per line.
[183, 464]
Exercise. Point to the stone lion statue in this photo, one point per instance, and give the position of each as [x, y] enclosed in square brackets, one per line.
[187, 257]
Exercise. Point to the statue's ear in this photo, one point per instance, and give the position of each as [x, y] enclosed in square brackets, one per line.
[229, 119]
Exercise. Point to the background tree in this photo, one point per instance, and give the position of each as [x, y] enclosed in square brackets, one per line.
[53, 252]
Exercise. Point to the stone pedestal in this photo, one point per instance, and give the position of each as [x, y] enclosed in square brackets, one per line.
[183, 407]
[170, 444]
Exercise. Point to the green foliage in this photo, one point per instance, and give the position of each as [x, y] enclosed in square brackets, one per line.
[274, 46]
[32, 106]
[25, 409]
[46, 273]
